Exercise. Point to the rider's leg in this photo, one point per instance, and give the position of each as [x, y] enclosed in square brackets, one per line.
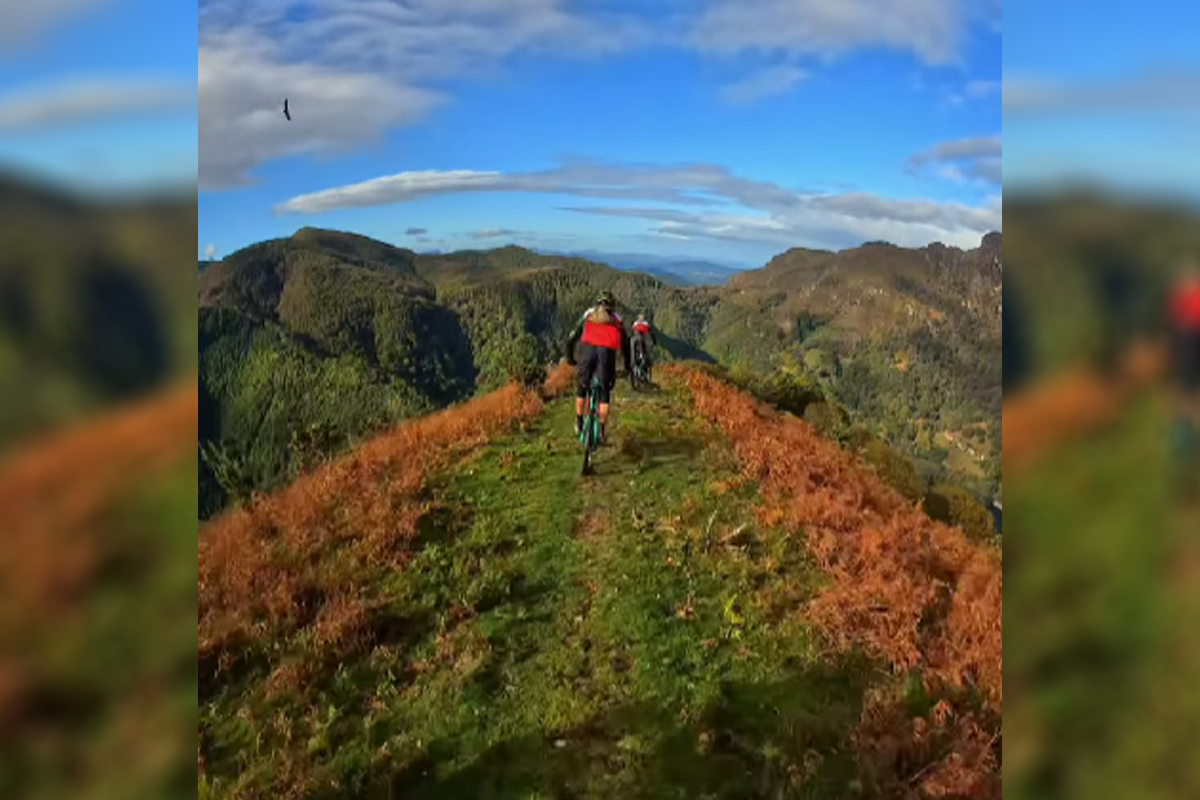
[1186, 391]
[608, 377]
[583, 382]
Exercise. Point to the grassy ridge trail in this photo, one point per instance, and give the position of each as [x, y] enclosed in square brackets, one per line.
[632, 634]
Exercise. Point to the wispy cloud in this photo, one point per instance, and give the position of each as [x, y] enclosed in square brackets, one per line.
[1164, 89]
[242, 85]
[977, 158]
[493, 233]
[357, 68]
[27, 21]
[86, 100]
[722, 205]
[765, 83]
[979, 88]
[353, 69]
[423, 39]
[415, 232]
[635, 212]
[210, 251]
[973, 90]
[932, 30]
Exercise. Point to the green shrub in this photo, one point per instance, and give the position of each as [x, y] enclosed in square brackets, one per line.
[821, 362]
[829, 419]
[857, 438]
[894, 469]
[790, 393]
[956, 507]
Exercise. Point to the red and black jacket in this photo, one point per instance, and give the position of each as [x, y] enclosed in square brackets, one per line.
[646, 331]
[1184, 307]
[610, 335]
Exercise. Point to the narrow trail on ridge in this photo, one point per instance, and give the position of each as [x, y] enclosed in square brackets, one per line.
[483, 622]
[635, 634]
[627, 649]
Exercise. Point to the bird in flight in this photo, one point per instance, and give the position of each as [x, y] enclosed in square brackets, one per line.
[286, 113]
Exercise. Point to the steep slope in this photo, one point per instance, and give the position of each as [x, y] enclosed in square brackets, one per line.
[481, 621]
[97, 556]
[1102, 523]
[322, 337]
[92, 309]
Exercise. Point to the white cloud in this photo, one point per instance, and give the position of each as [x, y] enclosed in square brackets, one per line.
[27, 20]
[210, 252]
[82, 100]
[975, 147]
[422, 39]
[493, 233]
[687, 184]
[764, 83]
[357, 68]
[728, 207]
[242, 85]
[353, 69]
[977, 158]
[1163, 89]
[980, 88]
[932, 30]
[972, 90]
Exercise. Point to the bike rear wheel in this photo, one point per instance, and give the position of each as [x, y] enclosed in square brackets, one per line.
[591, 428]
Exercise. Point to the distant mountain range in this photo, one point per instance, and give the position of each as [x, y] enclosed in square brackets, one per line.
[675, 271]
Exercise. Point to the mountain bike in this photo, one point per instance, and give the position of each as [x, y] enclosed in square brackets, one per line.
[641, 369]
[590, 435]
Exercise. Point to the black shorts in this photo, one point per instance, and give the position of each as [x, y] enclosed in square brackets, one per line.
[596, 360]
[1187, 360]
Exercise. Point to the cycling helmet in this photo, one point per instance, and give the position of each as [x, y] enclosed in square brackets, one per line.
[605, 299]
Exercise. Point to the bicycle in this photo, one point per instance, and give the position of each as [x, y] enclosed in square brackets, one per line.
[590, 435]
[641, 370]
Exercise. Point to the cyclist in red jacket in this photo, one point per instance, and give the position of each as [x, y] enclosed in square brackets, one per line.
[602, 334]
[643, 338]
[1184, 313]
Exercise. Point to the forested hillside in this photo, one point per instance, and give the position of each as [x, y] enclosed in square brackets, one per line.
[310, 342]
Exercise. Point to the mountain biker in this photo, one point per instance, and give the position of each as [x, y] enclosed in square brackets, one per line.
[643, 338]
[602, 334]
[1184, 314]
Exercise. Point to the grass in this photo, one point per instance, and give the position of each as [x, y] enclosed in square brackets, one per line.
[636, 633]
[1101, 571]
[96, 684]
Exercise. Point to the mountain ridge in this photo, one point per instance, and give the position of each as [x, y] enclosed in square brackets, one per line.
[907, 339]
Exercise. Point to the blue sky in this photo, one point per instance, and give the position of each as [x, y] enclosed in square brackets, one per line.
[62, 67]
[1123, 137]
[722, 129]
